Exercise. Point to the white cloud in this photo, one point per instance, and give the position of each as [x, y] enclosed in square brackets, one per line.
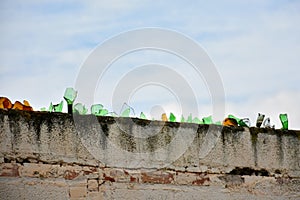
[254, 44]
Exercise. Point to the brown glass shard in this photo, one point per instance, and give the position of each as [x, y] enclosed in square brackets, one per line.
[164, 117]
[5, 103]
[19, 106]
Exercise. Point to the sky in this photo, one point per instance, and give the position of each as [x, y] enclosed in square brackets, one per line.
[254, 46]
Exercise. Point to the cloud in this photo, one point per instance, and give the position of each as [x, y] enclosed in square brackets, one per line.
[254, 45]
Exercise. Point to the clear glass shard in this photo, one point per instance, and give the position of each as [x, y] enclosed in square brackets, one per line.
[79, 108]
[260, 119]
[267, 123]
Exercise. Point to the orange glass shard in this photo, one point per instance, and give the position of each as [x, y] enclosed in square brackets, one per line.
[26, 103]
[19, 106]
[230, 122]
[5, 103]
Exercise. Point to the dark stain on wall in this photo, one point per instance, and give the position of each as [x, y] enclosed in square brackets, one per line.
[249, 171]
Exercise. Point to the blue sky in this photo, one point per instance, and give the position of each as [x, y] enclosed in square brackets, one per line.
[255, 46]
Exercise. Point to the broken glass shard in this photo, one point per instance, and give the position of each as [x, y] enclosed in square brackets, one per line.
[96, 109]
[267, 123]
[284, 121]
[103, 112]
[143, 116]
[190, 119]
[172, 117]
[182, 119]
[246, 121]
[5, 103]
[259, 120]
[164, 117]
[50, 109]
[80, 109]
[126, 110]
[239, 121]
[70, 95]
[196, 120]
[58, 107]
[207, 120]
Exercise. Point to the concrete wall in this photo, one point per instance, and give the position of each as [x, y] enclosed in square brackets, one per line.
[57, 156]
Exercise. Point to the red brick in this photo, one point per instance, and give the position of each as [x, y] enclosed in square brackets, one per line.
[157, 177]
[9, 169]
[70, 175]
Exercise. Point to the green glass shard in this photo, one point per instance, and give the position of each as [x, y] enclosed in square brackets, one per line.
[43, 109]
[284, 121]
[50, 107]
[125, 113]
[58, 107]
[190, 119]
[70, 95]
[103, 112]
[96, 109]
[182, 119]
[126, 110]
[196, 120]
[207, 120]
[80, 109]
[143, 116]
[239, 121]
[172, 117]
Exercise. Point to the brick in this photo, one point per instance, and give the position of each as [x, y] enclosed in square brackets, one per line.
[9, 169]
[79, 182]
[70, 175]
[35, 170]
[134, 175]
[78, 192]
[120, 175]
[91, 172]
[96, 195]
[157, 177]
[186, 178]
[93, 185]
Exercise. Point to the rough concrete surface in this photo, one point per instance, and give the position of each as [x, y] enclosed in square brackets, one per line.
[58, 156]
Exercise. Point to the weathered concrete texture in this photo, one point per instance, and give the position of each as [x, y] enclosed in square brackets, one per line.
[58, 156]
[134, 143]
